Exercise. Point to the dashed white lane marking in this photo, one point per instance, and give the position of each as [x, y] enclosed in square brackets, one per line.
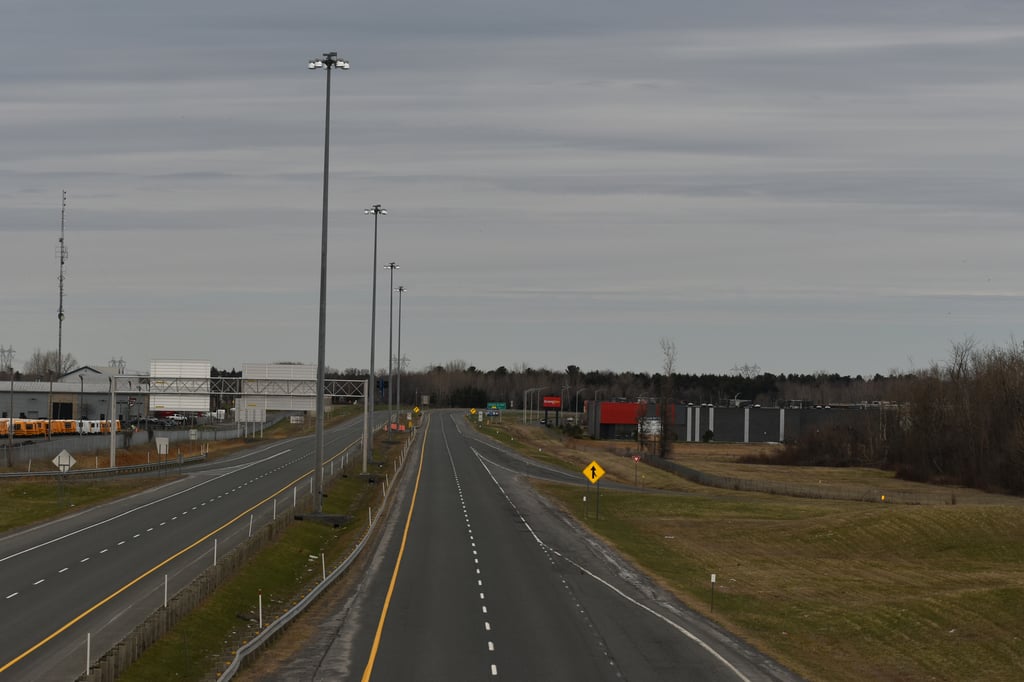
[84, 560]
[62, 570]
[475, 553]
[38, 582]
[12, 595]
[552, 552]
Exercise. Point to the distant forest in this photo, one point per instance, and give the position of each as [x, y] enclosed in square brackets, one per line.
[958, 422]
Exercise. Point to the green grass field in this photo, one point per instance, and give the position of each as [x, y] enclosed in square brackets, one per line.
[24, 502]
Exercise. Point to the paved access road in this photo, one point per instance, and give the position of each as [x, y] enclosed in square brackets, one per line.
[477, 577]
[83, 582]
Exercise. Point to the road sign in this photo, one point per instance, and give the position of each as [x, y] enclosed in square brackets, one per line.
[636, 458]
[472, 410]
[416, 409]
[64, 461]
[593, 472]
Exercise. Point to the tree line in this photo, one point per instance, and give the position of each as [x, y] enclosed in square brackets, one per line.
[961, 421]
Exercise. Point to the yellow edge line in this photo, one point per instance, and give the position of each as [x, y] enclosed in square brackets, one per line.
[150, 572]
[398, 563]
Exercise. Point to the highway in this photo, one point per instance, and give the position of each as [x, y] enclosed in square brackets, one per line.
[477, 577]
[84, 581]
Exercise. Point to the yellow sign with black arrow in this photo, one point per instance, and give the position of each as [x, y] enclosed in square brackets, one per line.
[593, 472]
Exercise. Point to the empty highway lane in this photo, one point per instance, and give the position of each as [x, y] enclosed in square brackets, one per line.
[478, 577]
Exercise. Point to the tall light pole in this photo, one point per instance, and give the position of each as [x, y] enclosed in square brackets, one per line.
[377, 211]
[392, 266]
[8, 358]
[329, 62]
[398, 370]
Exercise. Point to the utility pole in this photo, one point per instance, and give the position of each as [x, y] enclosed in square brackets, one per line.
[62, 256]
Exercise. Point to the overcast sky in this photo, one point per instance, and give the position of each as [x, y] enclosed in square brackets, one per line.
[804, 185]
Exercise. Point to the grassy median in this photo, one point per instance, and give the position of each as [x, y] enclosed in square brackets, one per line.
[203, 641]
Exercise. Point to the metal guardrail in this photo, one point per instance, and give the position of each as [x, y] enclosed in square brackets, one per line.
[106, 471]
[251, 647]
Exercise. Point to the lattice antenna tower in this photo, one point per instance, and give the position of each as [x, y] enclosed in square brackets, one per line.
[62, 256]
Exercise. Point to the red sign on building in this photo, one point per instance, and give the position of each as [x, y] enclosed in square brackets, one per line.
[552, 401]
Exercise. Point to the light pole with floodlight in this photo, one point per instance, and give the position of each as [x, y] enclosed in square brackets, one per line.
[398, 369]
[377, 210]
[329, 62]
[392, 266]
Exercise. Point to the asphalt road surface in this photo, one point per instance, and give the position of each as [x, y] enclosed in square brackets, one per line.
[81, 583]
[477, 577]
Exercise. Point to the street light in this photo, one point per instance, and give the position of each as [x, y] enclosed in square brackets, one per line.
[398, 370]
[392, 266]
[377, 211]
[328, 63]
[526, 401]
[576, 407]
[526, 404]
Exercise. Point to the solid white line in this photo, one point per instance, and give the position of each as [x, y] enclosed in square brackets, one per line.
[704, 645]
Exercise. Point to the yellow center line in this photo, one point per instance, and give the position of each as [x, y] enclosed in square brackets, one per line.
[398, 562]
[152, 570]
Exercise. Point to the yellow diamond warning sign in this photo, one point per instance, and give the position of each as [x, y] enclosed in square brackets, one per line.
[593, 472]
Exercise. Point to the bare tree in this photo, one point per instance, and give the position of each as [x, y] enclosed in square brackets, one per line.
[746, 370]
[43, 364]
[665, 411]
